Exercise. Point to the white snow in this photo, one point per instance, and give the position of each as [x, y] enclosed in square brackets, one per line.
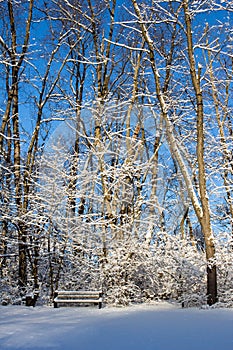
[161, 326]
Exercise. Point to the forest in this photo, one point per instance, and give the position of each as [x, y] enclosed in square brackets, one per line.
[116, 150]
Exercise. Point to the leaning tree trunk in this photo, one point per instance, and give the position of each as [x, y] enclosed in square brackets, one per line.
[205, 220]
[200, 205]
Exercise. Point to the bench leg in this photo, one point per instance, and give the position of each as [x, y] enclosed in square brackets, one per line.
[54, 302]
[100, 305]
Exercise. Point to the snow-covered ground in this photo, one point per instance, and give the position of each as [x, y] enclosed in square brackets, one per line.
[159, 327]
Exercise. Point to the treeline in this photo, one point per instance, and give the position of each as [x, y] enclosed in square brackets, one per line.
[116, 149]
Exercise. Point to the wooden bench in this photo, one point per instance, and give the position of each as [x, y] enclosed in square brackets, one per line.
[77, 297]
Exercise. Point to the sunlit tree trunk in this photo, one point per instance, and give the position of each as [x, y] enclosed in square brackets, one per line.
[201, 205]
[205, 219]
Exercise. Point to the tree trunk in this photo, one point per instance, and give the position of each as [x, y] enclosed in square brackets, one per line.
[205, 219]
[200, 205]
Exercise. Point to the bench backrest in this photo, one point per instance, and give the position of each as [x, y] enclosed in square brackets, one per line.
[80, 294]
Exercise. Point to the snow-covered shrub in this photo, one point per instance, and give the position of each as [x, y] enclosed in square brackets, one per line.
[171, 269]
[180, 270]
[128, 273]
[9, 290]
[224, 262]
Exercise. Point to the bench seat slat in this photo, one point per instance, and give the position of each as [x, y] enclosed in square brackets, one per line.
[79, 295]
[78, 292]
[57, 300]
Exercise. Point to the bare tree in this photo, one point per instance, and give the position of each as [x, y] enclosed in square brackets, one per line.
[19, 155]
[201, 204]
[15, 56]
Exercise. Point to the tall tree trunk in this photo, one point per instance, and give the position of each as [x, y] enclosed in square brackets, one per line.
[16, 59]
[201, 205]
[205, 219]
